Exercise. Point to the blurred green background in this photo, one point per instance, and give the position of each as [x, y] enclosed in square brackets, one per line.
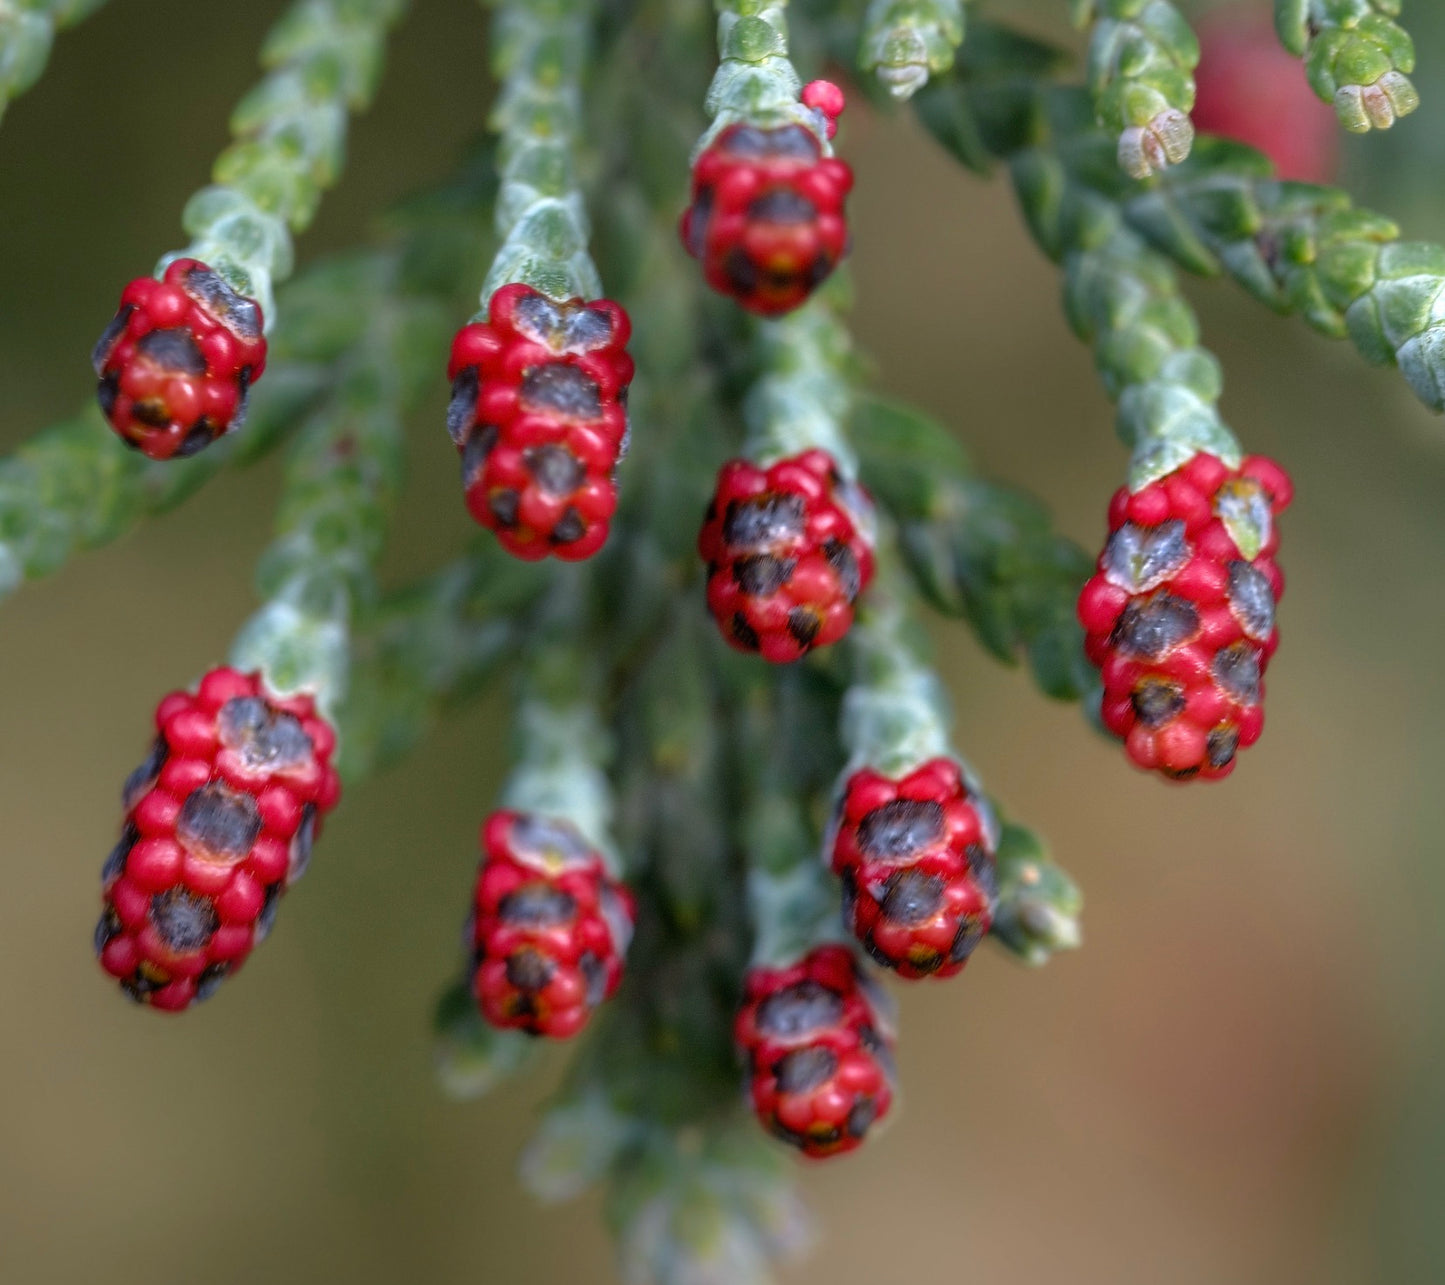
[1239, 1079]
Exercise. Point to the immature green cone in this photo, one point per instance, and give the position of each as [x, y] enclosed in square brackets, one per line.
[1141, 61]
[1355, 55]
[1038, 904]
[906, 41]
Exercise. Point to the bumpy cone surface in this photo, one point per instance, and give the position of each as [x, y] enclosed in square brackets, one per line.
[818, 1045]
[549, 929]
[766, 218]
[539, 414]
[1180, 617]
[788, 550]
[916, 857]
[219, 822]
[178, 361]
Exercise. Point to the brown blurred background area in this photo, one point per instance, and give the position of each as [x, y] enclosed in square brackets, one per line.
[1240, 1079]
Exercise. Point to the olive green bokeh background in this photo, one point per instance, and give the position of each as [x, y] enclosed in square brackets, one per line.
[1239, 1079]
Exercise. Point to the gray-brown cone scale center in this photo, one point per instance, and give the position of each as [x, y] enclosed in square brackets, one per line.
[548, 844]
[262, 738]
[240, 315]
[1251, 599]
[901, 830]
[563, 389]
[800, 1010]
[183, 920]
[761, 532]
[537, 905]
[803, 1070]
[570, 327]
[1150, 628]
[911, 897]
[1139, 559]
[219, 824]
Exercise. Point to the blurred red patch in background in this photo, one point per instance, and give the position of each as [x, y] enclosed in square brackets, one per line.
[1250, 88]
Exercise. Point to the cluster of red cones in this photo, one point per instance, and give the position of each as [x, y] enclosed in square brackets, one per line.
[221, 817]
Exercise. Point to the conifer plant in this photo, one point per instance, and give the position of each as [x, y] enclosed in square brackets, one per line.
[692, 540]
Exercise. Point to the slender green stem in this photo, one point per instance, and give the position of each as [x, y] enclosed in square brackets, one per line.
[27, 30]
[429, 647]
[562, 746]
[1120, 296]
[340, 485]
[977, 549]
[803, 395]
[77, 486]
[792, 899]
[896, 712]
[540, 49]
[324, 61]
[755, 83]
[895, 718]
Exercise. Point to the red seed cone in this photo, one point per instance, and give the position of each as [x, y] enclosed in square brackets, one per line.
[766, 218]
[177, 363]
[1180, 617]
[917, 864]
[219, 822]
[819, 1051]
[549, 929]
[539, 415]
[788, 550]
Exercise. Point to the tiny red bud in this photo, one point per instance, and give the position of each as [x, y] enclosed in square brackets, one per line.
[824, 96]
